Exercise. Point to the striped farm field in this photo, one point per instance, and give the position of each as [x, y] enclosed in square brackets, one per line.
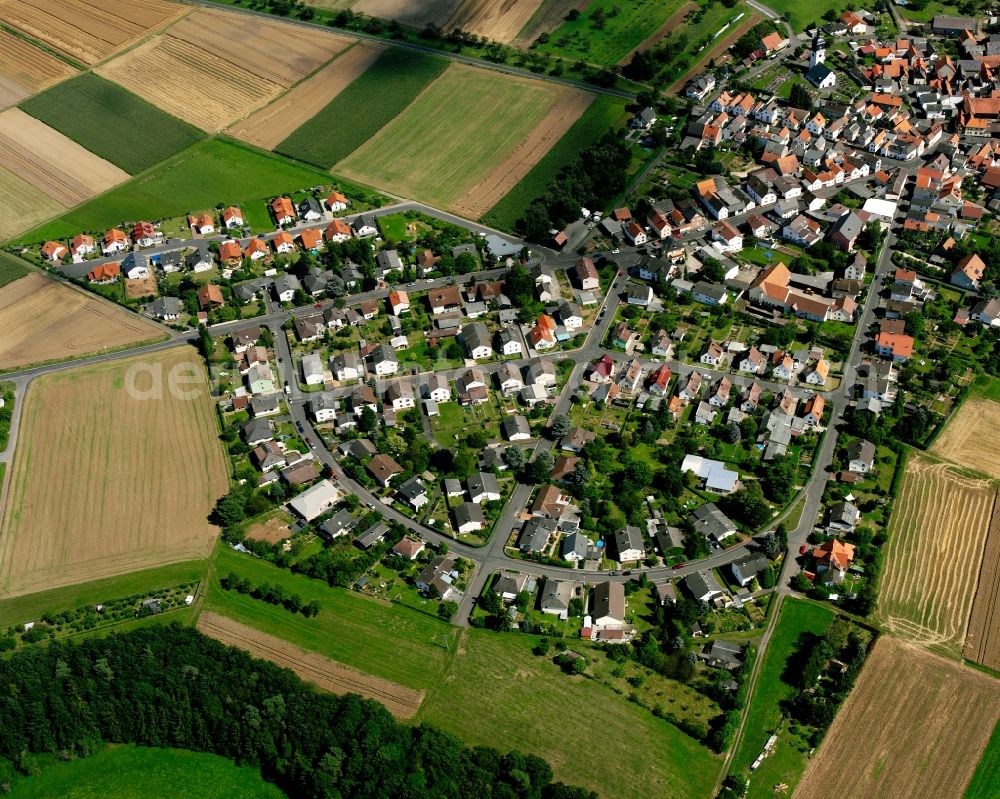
[55, 165]
[24, 205]
[88, 30]
[461, 128]
[982, 644]
[272, 125]
[26, 69]
[396, 77]
[116, 469]
[210, 70]
[915, 725]
[936, 537]
[971, 437]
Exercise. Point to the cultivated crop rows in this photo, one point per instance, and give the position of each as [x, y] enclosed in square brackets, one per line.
[983, 641]
[914, 725]
[972, 437]
[25, 69]
[935, 545]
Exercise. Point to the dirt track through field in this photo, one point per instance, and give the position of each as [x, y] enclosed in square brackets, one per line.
[914, 726]
[25, 69]
[322, 672]
[88, 30]
[272, 125]
[52, 163]
[972, 437]
[935, 547]
[215, 67]
[568, 108]
[116, 469]
[982, 644]
[499, 20]
[675, 20]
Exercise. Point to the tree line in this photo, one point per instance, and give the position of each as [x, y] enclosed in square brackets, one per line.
[170, 686]
[273, 594]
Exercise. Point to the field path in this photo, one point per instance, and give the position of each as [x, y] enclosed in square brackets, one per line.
[982, 644]
[671, 22]
[322, 672]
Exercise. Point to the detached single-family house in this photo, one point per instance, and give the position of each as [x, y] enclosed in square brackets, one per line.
[54, 251]
[414, 492]
[483, 487]
[746, 569]
[477, 340]
[384, 469]
[437, 577]
[860, 456]
[629, 545]
[283, 211]
[469, 518]
[316, 501]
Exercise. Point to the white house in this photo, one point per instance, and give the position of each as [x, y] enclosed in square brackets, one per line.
[345, 366]
[312, 369]
[385, 360]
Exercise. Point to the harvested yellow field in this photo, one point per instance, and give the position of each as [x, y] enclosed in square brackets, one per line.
[914, 726]
[215, 67]
[26, 70]
[116, 469]
[982, 644]
[44, 320]
[88, 30]
[936, 537]
[972, 437]
[416, 13]
[52, 163]
[500, 21]
[272, 125]
[24, 206]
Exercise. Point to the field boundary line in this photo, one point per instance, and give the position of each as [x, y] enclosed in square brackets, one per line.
[42, 46]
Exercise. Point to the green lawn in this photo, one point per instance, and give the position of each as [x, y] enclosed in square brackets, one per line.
[929, 11]
[378, 638]
[607, 30]
[363, 108]
[534, 707]
[131, 772]
[600, 117]
[31, 606]
[11, 268]
[983, 386]
[112, 122]
[797, 616]
[987, 776]
[803, 13]
[211, 172]
[445, 142]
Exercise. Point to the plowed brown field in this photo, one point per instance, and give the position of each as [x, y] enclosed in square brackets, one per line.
[320, 671]
[52, 163]
[566, 110]
[272, 125]
[935, 547]
[215, 67]
[983, 641]
[116, 469]
[972, 437]
[88, 30]
[914, 726]
[25, 69]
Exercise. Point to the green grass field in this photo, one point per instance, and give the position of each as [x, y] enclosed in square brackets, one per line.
[533, 706]
[30, 606]
[378, 638]
[803, 13]
[597, 120]
[441, 146]
[797, 616]
[112, 122]
[607, 30]
[929, 11]
[987, 775]
[11, 268]
[986, 387]
[210, 172]
[132, 772]
[363, 108]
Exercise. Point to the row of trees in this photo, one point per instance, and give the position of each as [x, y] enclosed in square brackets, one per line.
[170, 686]
[273, 594]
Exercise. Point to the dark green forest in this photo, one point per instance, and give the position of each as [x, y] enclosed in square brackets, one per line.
[170, 686]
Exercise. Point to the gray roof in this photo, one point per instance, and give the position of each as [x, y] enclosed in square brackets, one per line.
[476, 335]
[372, 535]
[702, 583]
[712, 521]
[629, 537]
[258, 430]
[166, 306]
[557, 594]
[513, 425]
[535, 534]
[480, 482]
[469, 512]
[340, 522]
[412, 488]
[861, 449]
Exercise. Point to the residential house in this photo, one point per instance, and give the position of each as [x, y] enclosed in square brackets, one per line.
[285, 286]
[312, 369]
[718, 477]
[543, 335]
[483, 487]
[692, 388]
[469, 518]
[81, 245]
[638, 294]
[586, 275]
[753, 362]
[365, 226]
[608, 605]
[446, 299]
[384, 469]
[437, 578]
[535, 535]
[437, 388]
[337, 231]
[713, 355]
[399, 395]
[399, 302]
[702, 586]
[516, 428]
[384, 360]
[746, 569]
[283, 211]
[818, 374]
[323, 408]
[114, 241]
[408, 548]
[629, 545]
[861, 456]
[477, 340]
[897, 346]
[843, 516]
[414, 493]
[168, 309]
[576, 546]
[570, 315]
[832, 560]
[968, 272]
[556, 596]
[232, 217]
[210, 296]
[316, 501]
[346, 366]
[711, 521]
[54, 251]
[541, 373]
[310, 210]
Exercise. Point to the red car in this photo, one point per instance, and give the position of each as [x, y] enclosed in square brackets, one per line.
[680, 565]
[802, 549]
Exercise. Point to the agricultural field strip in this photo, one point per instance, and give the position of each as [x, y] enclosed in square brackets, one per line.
[30, 68]
[568, 108]
[115, 515]
[328, 674]
[673, 21]
[24, 205]
[971, 437]
[87, 31]
[499, 21]
[929, 580]
[56, 165]
[914, 725]
[982, 642]
[274, 123]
